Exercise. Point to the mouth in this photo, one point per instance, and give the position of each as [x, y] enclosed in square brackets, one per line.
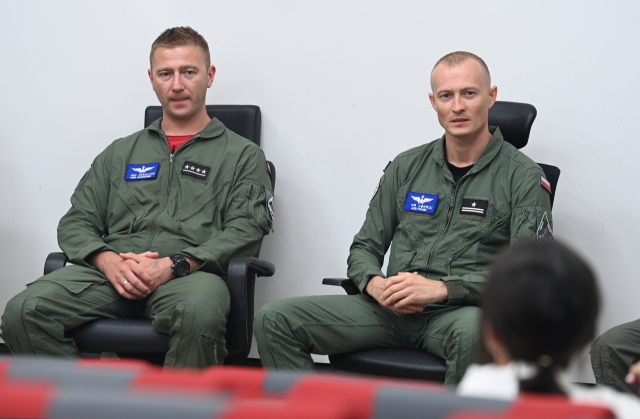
[179, 100]
[459, 120]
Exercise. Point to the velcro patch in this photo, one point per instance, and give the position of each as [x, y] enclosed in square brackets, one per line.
[422, 203]
[476, 207]
[544, 228]
[545, 184]
[143, 171]
[195, 170]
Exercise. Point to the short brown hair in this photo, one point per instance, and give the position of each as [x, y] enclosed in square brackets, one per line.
[178, 37]
[456, 58]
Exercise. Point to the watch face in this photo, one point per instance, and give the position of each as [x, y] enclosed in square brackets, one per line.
[182, 268]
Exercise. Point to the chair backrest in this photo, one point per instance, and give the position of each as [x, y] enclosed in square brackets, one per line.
[515, 121]
[244, 120]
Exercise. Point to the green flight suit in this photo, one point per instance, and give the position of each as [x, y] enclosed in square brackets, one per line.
[613, 353]
[442, 229]
[208, 200]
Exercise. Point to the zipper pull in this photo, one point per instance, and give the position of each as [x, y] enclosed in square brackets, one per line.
[171, 159]
[180, 220]
[131, 225]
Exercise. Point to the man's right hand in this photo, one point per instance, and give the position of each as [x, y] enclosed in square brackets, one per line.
[126, 276]
[376, 287]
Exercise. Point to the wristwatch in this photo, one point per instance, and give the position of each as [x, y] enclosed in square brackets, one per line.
[180, 266]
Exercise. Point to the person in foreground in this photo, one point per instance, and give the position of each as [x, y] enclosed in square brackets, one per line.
[540, 305]
[445, 208]
[153, 224]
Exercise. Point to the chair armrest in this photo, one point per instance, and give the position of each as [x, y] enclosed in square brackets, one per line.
[241, 278]
[55, 261]
[345, 283]
[238, 266]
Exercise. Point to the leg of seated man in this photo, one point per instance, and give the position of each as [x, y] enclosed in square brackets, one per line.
[288, 331]
[35, 321]
[452, 334]
[613, 353]
[193, 310]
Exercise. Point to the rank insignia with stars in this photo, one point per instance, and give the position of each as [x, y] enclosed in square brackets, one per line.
[474, 206]
[195, 170]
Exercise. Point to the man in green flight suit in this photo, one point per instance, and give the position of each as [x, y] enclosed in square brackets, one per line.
[445, 208]
[154, 223]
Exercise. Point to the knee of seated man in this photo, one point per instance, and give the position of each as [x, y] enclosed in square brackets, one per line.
[17, 312]
[287, 308]
[468, 320]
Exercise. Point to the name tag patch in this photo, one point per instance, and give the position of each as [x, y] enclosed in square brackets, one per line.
[477, 207]
[195, 170]
[422, 203]
[142, 171]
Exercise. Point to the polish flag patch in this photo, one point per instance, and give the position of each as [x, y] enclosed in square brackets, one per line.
[545, 184]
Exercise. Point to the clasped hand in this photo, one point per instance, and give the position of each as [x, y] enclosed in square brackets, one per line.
[134, 276]
[406, 292]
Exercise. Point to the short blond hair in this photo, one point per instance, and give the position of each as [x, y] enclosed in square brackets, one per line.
[178, 37]
[456, 58]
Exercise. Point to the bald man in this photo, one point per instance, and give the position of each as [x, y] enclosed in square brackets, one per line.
[445, 208]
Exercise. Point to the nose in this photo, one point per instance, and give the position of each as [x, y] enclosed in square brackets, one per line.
[458, 104]
[176, 84]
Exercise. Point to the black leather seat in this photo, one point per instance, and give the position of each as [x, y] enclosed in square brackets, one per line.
[515, 121]
[136, 338]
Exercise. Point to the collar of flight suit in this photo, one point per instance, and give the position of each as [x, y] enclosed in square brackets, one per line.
[214, 128]
[488, 154]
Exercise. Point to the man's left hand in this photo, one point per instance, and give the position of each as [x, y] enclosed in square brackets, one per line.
[410, 289]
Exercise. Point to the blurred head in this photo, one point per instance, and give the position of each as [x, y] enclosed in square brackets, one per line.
[540, 305]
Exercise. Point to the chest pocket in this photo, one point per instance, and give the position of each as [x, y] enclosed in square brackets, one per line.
[199, 195]
[481, 241]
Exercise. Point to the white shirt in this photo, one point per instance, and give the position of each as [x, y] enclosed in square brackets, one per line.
[502, 382]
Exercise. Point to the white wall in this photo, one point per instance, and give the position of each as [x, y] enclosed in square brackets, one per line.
[343, 88]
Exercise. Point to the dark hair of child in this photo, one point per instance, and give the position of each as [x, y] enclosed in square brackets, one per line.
[542, 301]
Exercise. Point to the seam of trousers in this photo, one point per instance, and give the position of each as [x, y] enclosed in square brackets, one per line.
[181, 330]
[267, 340]
[24, 325]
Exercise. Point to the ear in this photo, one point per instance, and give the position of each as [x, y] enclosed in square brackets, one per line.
[210, 75]
[151, 79]
[494, 345]
[432, 99]
[493, 95]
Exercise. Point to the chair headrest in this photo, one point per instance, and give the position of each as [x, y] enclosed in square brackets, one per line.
[515, 121]
[244, 120]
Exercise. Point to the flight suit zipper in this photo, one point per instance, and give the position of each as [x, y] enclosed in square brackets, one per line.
[168, 193]
[454, 190]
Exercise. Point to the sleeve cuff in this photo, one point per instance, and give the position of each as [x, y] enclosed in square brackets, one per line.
[364, 279]
[455, 289]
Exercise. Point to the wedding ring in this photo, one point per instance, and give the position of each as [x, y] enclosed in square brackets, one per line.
[125, 283]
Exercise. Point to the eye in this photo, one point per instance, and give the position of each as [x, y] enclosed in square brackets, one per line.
[164, 74]
[470, 93]
[445, 96]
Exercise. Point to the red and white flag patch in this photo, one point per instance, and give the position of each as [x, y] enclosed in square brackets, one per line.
[545, 184]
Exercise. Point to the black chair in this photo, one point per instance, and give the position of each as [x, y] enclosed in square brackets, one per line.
[515, 121]
[136, 338]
